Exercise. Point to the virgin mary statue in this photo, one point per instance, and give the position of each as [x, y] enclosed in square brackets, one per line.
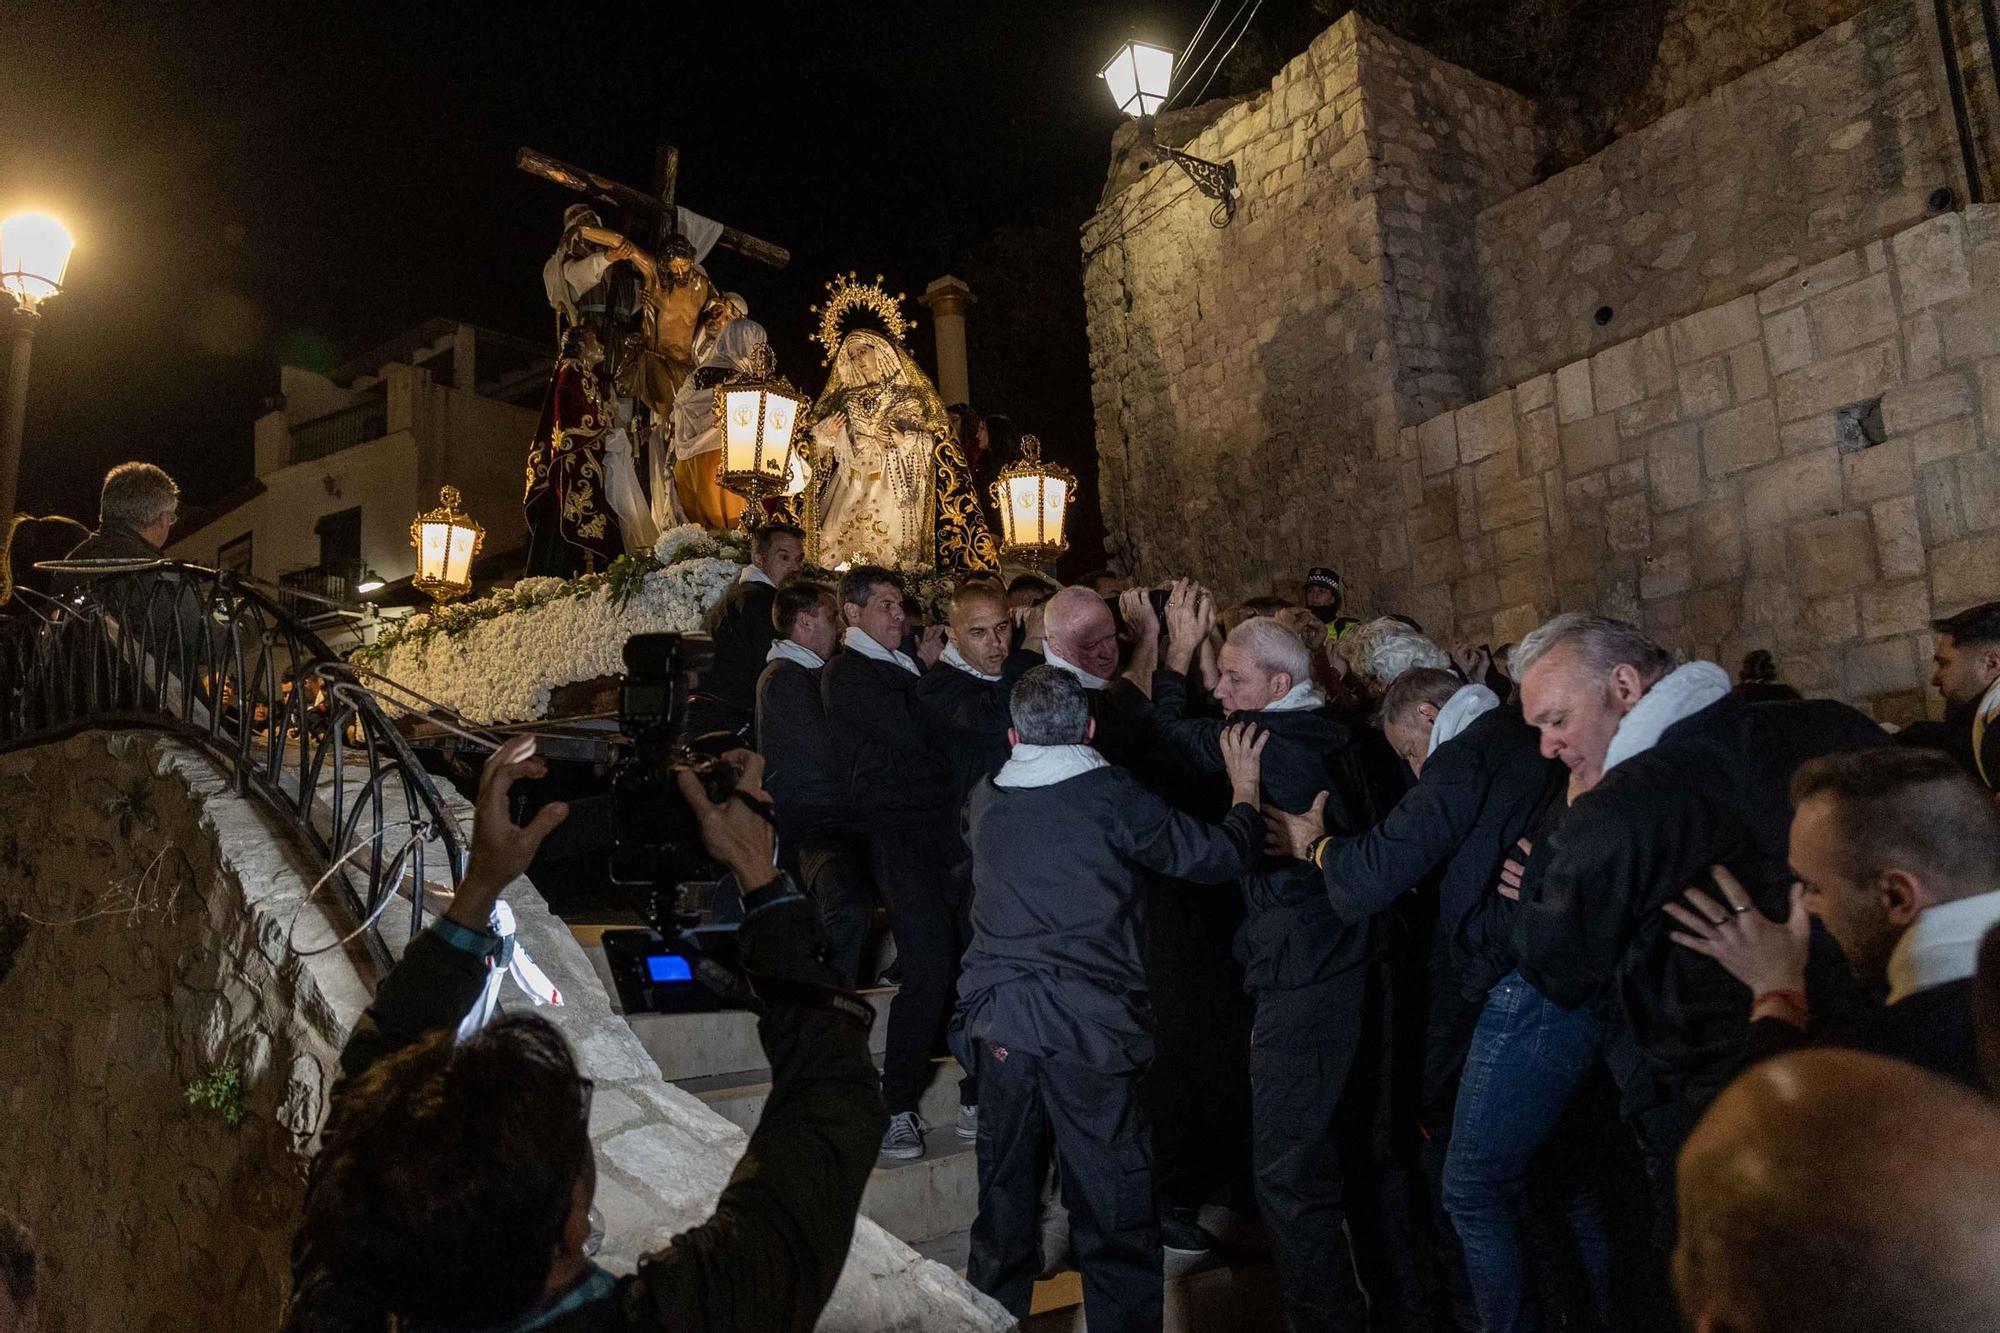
[889, 485]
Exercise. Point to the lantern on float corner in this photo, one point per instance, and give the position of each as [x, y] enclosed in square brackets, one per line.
[757, 412]
[1138, 77]
[1032, 498]
[447, 540]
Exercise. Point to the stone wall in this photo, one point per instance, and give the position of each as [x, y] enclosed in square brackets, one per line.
[1706, 43]
[157, 906]
[1836, 143]
[1691, 479]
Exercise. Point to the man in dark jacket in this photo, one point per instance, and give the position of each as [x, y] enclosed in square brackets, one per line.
[1898, 854]
[1966, 671]
[1054, 992]
[819, 840]
[899, 785]
[964, 700]
[1482, 783]
[1303, 966]
[741, 628]
[498, 1125]
[136, 510]
[1679, 776]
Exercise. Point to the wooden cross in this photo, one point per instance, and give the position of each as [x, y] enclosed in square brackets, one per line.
[657, 208]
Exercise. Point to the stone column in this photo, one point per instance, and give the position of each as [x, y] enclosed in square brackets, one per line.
[947, 299]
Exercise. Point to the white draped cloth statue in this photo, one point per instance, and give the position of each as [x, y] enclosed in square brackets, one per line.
[694, 430]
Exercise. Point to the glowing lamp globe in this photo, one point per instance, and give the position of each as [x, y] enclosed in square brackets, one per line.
[1138, 77]
[757, 412]
[1032, 499]
[446, 541]
[34, 255]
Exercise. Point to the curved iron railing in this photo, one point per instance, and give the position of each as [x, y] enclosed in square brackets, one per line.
[198, 654]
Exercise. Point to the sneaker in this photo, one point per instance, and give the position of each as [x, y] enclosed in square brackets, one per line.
[968, 1123]
[905, 1139]
[1180, 1234]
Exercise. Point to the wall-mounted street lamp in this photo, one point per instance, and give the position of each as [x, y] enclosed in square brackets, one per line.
[1140, 77]
[34, 256]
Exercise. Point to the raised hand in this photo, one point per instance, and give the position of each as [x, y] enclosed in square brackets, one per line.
[502, 849]
[1243, 760]
[930, 646]
[733, 832]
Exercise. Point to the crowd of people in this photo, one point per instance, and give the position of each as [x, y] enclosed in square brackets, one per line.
[1431, 959]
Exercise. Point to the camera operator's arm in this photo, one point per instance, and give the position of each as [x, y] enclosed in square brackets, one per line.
[769, 1256]
[444, 969]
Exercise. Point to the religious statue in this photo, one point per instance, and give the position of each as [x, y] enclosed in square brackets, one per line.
[697, 436]
[889, 485]
[572, 525]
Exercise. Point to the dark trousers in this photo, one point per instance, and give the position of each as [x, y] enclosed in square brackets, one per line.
[831, 865]
[1198, 1088]
[929, 914]
[1095, 1125]
[1300, 1052]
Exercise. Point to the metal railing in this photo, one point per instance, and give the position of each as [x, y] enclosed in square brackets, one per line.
[334, 582]
[194, 653]
[339, 430]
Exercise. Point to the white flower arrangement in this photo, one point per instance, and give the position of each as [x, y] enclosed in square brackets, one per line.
[500, 658]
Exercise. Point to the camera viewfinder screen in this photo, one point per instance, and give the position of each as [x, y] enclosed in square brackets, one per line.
[668, 967]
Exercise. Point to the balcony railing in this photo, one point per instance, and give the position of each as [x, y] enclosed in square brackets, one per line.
[344, 429]
[335, 582]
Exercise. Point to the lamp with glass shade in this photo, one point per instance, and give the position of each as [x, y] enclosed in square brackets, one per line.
[34, 257]
[1032, 499]
[1140, 77]
[758, 412]
[447, 540]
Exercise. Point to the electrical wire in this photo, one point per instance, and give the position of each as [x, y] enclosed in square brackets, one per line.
[1240, 33]
[1199, 33]
[1194, 71]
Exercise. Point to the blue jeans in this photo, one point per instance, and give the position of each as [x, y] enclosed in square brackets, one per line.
[1528, 1056]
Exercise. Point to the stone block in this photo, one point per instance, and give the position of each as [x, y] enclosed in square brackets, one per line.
[1923, 347]
[1589, 445]
[1799, 487]
[1989, 397]
[1833, 554]
[1523, 541]
[1474, 594]
[1437, 444]
[1673, 467]
[1718, 329]
[1647, 415]
[1715, 535]
[1712, 613]
[1748, 372]
[1436, 562]
[1617, 377]
[1535, 394]
[1832, 381]
[1627, 523]
[1573, 397]
[1627, 476]
[1540, 447]
[1859, 313]
[1895, 608]
[1656, 362]
[1979, 491]
[1705, 387]
[1392, 547]
[1931, 262]
[1832, 620]
[1511, 502]
[1899, 545]
[1909, 407]
[1971, 327]
[1965, 573]
[1740, 438]
[1788, 340]
[1886, 665]
[1947, 439]
[1878, 473]
[1937, 489]
[1821, 277]
[1485, 428]
[1665, 573]
[1512, 624]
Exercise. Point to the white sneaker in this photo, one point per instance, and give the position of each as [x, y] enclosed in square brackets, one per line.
[905, 1139]
[968, 1123]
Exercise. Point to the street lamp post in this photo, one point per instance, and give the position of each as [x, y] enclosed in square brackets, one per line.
[34, 256]
[1140, 77]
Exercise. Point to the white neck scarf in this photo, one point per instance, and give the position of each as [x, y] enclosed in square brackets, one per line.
[857, 641]
[784, 650]
[752, 574]
[1941, 945]
[1989, 706]
[1046, 765]
[1681, 693]
[952, 657]
[1303, 695]
[1459, 712]
[1083, 678]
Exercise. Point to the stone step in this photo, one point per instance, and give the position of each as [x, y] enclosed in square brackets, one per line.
[929, 1198]
[740, 1098]
[1238, 1292]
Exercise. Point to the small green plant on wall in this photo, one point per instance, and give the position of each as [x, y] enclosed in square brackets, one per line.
[221, 1091]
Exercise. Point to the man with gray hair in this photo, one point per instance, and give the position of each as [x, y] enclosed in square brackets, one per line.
[135, 513]
[1383, 649]
[1054, 992]
[1305, 968]
[1676, 776]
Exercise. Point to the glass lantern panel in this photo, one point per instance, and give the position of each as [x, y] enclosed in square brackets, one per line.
[779, 413]
[1154, 70]
[742, 409]
[34, 254]
[434, 540]
[458, 562]
[1121, 76]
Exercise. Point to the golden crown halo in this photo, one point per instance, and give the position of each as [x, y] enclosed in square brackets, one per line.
[846, 295]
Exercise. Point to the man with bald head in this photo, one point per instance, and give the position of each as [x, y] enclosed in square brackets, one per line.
[1841, 1192]
[964, 699]
[1080, 637]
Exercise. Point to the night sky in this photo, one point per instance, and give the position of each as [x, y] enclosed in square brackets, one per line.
[301, 182]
